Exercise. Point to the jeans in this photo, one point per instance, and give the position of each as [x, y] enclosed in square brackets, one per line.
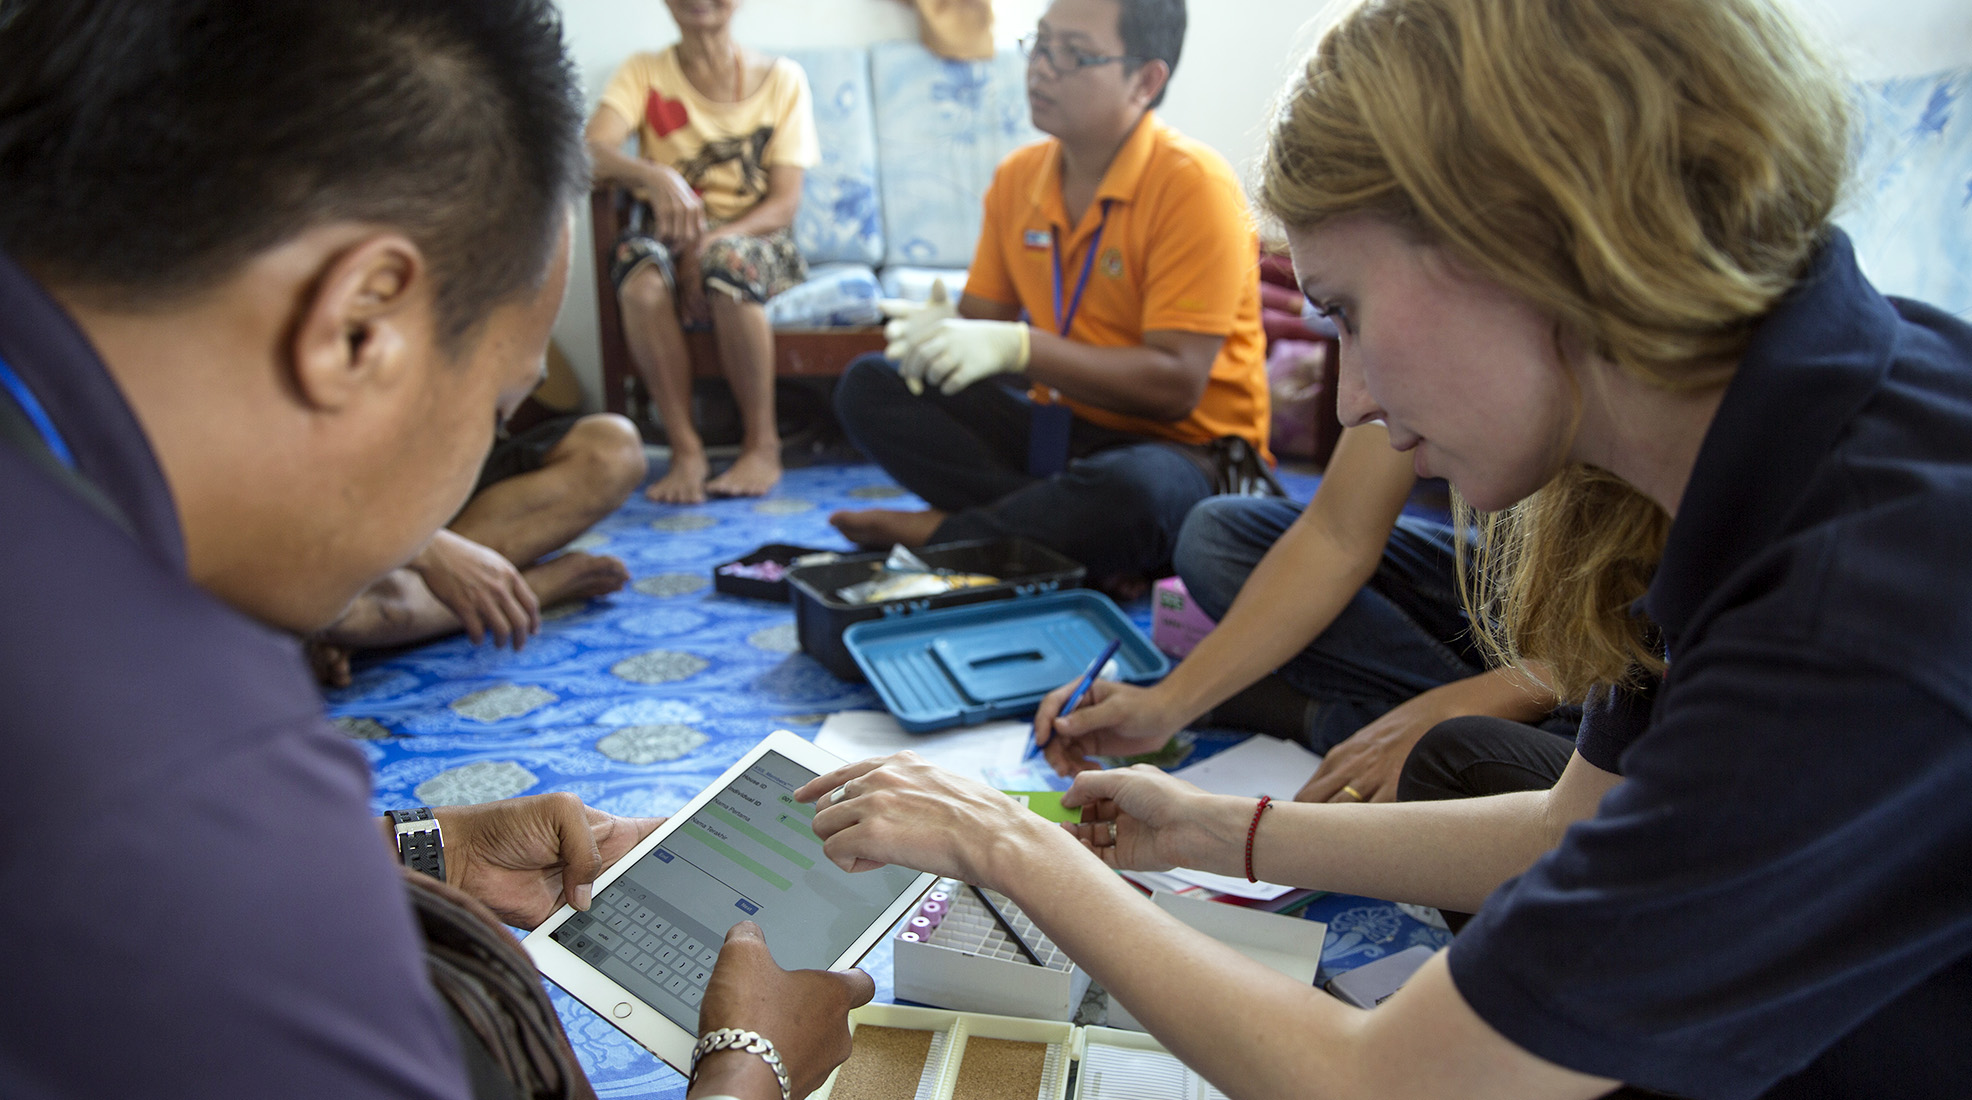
[1117, 508]
[1402, 634]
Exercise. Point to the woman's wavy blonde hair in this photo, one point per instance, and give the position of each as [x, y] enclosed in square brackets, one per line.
[1653, 174]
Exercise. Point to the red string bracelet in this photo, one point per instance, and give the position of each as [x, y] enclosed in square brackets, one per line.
[1254, 828]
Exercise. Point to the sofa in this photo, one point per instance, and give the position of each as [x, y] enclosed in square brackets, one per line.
[909, 143]
[1909, 205]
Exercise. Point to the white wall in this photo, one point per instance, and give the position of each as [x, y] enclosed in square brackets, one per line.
[1237, 55]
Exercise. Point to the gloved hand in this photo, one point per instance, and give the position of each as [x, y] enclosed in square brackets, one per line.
[910, 323]
[960, 352]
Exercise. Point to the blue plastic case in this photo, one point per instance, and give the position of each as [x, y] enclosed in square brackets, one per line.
[961, 666]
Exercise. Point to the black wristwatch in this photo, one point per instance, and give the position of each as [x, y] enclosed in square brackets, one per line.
[420, 843]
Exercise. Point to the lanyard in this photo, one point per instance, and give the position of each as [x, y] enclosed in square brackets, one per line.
[36, 415]
[1064, 320]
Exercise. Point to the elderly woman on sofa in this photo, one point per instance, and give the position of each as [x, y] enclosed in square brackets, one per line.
[724, 136]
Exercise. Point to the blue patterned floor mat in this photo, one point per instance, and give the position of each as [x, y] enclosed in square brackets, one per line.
[635, 702]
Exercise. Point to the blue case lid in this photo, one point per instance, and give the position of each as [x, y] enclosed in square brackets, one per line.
[959, 666]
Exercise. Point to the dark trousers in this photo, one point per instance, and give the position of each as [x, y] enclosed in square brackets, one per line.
[1481, 755]
[1117, 508]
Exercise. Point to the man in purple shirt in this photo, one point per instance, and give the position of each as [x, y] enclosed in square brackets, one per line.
[269, 275]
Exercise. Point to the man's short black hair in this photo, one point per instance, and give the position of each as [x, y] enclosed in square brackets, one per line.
[150, 147]
[1152, 30]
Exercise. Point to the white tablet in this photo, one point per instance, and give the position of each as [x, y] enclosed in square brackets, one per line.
[742, 850]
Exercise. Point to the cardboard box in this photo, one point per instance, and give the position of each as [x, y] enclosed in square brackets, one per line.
[1176, 623]
[968, 964]
[1065, 1044]
[1290, 945]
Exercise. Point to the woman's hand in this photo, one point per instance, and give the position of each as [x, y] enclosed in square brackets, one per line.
[1366, 767]
[679, 212]
[804, 1013]
[523, 857]
[1113, 720]
[1142, 819]
[899, 809]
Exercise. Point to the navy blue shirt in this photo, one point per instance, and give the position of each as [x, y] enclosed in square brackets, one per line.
[194, 899]
[1777, 899]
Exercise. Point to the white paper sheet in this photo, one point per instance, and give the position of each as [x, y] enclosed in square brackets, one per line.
[1256, 766]
[971, 751]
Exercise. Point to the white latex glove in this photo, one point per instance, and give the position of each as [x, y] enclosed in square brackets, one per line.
[910, 323]
[960, 352]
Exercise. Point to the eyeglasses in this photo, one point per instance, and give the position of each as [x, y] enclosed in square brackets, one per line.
[1064, 59]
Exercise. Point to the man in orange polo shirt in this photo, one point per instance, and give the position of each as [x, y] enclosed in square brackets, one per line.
[1115, 278]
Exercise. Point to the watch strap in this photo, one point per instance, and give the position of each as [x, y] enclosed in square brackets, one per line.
[420, 841]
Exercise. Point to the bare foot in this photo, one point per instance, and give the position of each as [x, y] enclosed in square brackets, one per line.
[576, 576]
[329, 662]
[885, 527]
[683, 483]
[751, 476]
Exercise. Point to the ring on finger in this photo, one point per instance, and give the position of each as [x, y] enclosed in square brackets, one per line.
[1353, 793]
[839, 794]
[1112, 832]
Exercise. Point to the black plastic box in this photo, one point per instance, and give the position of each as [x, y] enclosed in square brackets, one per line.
[1024, 568]
[756, 589]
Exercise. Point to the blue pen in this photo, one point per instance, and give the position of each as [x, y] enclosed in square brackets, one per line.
[1081, 689]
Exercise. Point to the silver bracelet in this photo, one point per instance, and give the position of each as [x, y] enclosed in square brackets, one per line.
[752, 1042]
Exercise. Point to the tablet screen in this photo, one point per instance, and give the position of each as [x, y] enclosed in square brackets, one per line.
[748, 854]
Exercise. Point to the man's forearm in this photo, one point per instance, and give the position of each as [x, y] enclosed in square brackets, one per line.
[1142, 381]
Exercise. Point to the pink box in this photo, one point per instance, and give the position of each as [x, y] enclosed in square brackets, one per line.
[1176, 623]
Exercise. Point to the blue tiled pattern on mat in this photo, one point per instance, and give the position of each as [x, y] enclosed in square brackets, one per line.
[637, 701]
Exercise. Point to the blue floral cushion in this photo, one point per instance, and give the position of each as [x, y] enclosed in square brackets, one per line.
[839, 220]
[942, 127]
[914, 283]
[835, 294]
[1909, 206]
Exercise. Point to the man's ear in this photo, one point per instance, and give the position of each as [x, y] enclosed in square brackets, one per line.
[359, 320]
[1149, 81]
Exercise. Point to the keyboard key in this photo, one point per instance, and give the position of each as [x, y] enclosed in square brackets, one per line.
[676, 987]
[649, 942]
[693, 995]
[618, 921]
[643, 963]
[674, 936]
[626, 951]
[605, 937]
[643, 916]
[709, 956]
[665, 955]
[691, 947]
[699, 976]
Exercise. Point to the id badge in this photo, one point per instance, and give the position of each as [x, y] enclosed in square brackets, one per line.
[1047, 440]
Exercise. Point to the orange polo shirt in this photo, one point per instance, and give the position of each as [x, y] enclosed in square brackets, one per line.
[1178, 251]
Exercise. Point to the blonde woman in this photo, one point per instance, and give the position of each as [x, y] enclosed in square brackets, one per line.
[1581, 257]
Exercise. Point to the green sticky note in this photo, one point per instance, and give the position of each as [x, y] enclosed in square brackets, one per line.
[1047, 804]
